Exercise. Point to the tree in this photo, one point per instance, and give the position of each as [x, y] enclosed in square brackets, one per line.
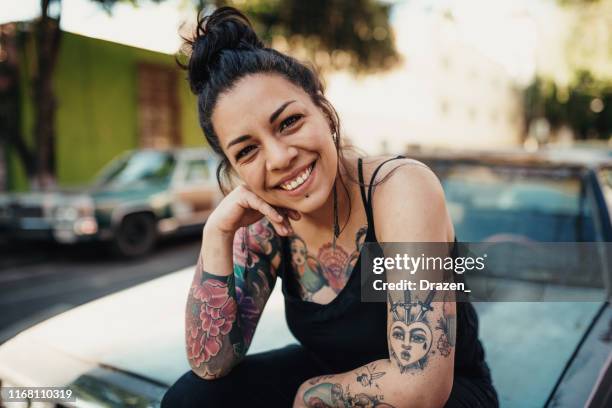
[339, 34]
[585, 105]
[37, 157]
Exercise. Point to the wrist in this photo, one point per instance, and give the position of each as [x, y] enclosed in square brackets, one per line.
[214, 232]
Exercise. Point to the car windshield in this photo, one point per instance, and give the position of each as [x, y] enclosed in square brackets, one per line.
[143, 166]
[545, 205]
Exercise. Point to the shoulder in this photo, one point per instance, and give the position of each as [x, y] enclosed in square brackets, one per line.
[386, 165]
[409, 203]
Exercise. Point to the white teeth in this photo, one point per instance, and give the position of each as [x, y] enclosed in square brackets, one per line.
[298, 181]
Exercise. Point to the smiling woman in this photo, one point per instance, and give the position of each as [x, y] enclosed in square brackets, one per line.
[289, 184]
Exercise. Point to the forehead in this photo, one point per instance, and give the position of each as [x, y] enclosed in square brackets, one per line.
[251, 101]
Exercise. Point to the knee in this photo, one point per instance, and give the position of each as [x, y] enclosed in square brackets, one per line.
[192, 391]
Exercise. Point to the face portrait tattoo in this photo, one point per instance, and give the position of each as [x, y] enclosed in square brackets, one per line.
[410, 337]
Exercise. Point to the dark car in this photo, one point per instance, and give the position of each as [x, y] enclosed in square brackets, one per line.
[138, 197]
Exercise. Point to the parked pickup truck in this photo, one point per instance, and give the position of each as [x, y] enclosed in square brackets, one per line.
[138, 197]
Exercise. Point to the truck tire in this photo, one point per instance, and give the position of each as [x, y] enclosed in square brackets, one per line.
[135, 236]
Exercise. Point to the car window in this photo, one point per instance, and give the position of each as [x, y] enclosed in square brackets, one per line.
[545, 205]
[197, 171]
[143, 166]
[512, 209]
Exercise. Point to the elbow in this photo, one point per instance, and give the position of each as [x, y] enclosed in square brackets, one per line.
[443, 394]
[439, 395]
[433, 396]
[206, 373]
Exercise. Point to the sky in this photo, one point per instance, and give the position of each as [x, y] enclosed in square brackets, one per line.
[507, 31]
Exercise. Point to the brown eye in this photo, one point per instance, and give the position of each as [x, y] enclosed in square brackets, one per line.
[290, 121]
[244, 152]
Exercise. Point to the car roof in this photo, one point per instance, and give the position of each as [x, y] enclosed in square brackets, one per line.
[180, 152]
[547, 157]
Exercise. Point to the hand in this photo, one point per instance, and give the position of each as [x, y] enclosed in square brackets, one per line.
[242, 207]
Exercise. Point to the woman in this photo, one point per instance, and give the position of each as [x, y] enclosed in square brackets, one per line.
[294, 184]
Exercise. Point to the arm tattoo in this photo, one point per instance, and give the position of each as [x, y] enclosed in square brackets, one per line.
[447, 324]
[333, 395]
[410, 336]
[368, 375]
[211, 313]
[222, 312]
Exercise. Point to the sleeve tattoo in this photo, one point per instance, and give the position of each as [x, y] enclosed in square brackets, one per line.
[223, 311]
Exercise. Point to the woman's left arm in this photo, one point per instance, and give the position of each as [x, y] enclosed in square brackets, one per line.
[420, 326]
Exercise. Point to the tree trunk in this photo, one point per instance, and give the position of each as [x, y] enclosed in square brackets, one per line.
[10, 97]
[47, 36]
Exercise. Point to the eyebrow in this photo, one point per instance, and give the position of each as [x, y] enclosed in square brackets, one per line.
[280, 110]
[273, 117]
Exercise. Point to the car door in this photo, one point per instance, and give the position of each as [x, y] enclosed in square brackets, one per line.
[196, 193]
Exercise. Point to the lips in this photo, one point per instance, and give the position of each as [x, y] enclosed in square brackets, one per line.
[305, 185]
[294, 175]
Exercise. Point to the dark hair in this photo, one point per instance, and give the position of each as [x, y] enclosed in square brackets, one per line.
[224, 49]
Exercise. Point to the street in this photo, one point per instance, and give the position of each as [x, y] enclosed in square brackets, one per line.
[43, 280]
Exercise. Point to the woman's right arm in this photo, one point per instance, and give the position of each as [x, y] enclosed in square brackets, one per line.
[227, 295]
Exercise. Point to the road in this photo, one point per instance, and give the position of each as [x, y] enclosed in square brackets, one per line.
[38, 282]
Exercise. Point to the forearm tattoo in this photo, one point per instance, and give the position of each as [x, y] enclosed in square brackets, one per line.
[334, 395]
[324, 391]
[211, 314]
[222, 312]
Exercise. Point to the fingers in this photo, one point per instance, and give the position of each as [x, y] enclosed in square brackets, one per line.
[279, 222]
[294, 215]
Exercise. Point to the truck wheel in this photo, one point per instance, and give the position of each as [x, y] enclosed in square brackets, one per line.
[135, 236]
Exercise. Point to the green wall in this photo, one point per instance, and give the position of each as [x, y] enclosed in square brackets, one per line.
[96, 89]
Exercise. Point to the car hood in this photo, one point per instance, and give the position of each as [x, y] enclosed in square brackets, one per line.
[99, 193]
[138, 330]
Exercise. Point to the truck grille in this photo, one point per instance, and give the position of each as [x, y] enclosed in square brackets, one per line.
[20, 211]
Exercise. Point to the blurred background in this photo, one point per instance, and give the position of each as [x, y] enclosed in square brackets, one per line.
[106, 180]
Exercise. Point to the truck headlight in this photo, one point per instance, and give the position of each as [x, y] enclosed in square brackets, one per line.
[66, 214]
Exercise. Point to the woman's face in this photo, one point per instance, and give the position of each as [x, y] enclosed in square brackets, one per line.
[278, 141]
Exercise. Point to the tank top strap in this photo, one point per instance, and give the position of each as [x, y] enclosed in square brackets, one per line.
[367, 200]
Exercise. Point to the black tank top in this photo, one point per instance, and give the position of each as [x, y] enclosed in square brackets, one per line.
[347, 333]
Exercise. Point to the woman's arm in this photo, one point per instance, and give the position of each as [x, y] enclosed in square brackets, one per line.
[227, 296]
[419, 369]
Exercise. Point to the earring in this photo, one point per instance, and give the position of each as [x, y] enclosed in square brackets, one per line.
[336, 226]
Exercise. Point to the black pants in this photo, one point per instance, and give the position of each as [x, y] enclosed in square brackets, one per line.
[272, 378]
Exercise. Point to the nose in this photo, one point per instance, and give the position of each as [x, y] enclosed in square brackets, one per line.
[279, 155]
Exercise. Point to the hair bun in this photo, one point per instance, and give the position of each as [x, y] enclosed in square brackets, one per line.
[225, 29]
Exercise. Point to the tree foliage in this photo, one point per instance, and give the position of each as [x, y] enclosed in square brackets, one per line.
[585, 106]
[338, 34]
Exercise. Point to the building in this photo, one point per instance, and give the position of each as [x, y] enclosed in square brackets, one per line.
[111, 97]
[445, 94]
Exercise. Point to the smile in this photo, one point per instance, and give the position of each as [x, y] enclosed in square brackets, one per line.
[299, 180]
